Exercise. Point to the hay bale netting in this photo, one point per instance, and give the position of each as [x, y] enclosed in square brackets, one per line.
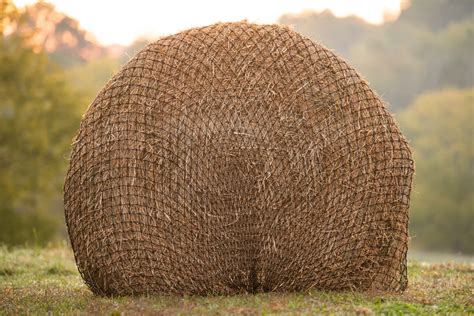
[238, 157]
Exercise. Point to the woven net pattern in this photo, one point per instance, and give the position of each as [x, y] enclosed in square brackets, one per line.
[238, 158]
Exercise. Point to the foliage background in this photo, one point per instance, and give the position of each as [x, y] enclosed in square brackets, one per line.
[421, 64]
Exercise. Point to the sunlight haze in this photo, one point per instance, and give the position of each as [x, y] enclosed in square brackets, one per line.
[121, 22]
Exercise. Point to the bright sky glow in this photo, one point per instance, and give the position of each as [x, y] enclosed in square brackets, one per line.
[121, 22]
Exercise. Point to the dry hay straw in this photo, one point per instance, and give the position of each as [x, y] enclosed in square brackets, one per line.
[238, 158]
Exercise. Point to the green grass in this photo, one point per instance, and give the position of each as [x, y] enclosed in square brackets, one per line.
[42, 281]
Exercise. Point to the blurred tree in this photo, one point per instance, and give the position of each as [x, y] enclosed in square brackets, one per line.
[133, 49]
[60, 36]
[453, 60]
[38, 117]
[393, 61]
[429, 47]
[436, 15]
[402, 60]
[440, 125]
[89, 78]
[8, 16]
[339, 34]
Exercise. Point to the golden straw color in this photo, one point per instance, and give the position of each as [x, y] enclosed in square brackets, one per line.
[238, 158]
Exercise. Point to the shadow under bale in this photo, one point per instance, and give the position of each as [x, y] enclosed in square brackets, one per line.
[238, 158]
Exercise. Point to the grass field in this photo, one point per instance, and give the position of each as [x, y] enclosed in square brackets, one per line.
[45, 281]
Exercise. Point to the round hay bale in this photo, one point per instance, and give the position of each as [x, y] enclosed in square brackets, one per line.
[238, 158]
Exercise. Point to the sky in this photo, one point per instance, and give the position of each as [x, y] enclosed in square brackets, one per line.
[121, 22]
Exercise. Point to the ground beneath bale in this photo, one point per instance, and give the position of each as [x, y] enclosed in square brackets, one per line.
[41, 281]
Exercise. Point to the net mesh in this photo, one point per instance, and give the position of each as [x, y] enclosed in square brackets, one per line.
[238, 158]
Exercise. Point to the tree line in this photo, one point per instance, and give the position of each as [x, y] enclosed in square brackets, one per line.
[420, 63]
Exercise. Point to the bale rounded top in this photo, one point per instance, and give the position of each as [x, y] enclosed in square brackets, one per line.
[238, 157]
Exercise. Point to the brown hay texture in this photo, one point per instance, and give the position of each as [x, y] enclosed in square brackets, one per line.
[238, 158]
